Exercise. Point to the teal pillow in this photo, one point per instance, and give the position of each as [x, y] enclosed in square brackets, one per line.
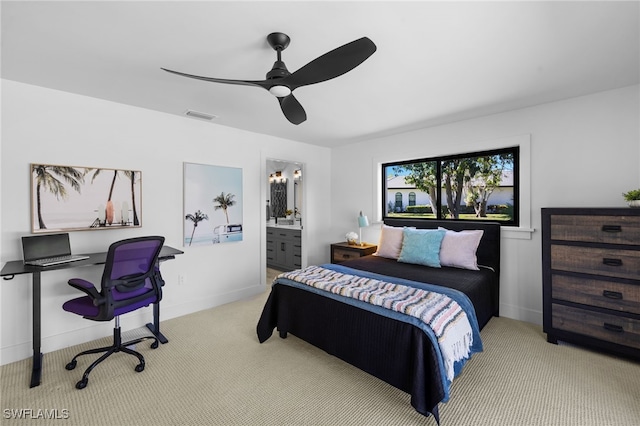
[422, 246]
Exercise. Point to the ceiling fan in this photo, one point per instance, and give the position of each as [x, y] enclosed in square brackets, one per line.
[281, 83]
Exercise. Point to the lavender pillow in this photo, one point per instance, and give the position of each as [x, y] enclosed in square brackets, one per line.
[458, 249]
[390, 242]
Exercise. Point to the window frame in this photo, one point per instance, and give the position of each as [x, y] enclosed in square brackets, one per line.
[412, 199]
[515, 150]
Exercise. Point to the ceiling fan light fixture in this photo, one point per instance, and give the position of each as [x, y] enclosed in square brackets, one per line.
[279, 91]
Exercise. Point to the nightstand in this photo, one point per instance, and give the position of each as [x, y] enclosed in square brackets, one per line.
[343, 251]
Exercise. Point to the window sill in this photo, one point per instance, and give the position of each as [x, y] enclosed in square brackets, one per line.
[516, 233]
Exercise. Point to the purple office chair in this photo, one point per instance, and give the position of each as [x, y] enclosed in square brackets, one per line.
[131, 280]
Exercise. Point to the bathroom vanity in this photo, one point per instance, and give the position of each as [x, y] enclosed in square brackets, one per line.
[284, 247]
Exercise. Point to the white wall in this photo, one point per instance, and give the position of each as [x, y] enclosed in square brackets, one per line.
[52, 127]
[583, 152]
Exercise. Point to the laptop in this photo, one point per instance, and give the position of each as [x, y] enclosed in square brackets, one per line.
[48, 250]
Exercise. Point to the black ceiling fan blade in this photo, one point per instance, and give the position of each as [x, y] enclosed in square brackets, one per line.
[260, 83]
[292, 109]
[332, 64]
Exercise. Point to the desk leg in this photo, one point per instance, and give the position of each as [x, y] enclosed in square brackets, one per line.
[155, 327]
[36, 366]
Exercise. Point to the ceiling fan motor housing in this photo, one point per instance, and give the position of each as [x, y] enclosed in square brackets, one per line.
[278, 70]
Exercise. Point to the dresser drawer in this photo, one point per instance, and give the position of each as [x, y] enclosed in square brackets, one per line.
[597, 261]
[611, 328]
[594, 292]
[343, 251]
[596, 229]
[340, 255]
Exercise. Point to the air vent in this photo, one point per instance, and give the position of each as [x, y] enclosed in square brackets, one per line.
[200, 115]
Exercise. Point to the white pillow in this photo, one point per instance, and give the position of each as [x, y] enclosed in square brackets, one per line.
[458, 249]
[390, 242]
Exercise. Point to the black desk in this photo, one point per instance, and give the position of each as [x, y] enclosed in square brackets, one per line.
[16, 267]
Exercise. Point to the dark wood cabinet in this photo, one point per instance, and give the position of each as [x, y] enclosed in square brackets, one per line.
[591, 277]
[344, 251]
[284, 248]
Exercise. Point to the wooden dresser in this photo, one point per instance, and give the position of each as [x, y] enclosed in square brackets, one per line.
[591, 277]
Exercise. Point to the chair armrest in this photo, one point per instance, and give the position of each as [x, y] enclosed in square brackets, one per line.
[158, 276]
[88, 288]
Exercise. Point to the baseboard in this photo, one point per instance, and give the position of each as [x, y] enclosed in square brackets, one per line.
[185, 308]
[97, 330]
[521, 314]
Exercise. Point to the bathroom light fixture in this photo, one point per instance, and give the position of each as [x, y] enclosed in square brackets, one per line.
[277, 177]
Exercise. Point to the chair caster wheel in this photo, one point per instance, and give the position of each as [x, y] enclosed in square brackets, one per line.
[139, 367]
[71, 366]
[154, 345]
[82, 384]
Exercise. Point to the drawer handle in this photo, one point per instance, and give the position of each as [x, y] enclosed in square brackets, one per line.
[346, 256]
[612, 262]
[611, 228]
[612, 294]
[613, 327]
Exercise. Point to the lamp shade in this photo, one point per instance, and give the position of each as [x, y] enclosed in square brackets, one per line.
[363, 221]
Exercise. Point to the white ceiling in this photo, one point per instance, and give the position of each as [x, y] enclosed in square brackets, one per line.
[436, 62]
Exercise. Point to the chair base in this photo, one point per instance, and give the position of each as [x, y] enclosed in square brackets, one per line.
[117, 346]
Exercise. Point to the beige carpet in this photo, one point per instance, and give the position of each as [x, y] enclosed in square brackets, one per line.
[213, 371]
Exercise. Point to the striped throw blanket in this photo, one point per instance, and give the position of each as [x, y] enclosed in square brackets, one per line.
[442, 314]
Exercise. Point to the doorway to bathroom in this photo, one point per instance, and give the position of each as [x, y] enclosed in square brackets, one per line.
[284, 216]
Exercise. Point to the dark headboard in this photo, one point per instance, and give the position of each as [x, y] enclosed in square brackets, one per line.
[489, 249]
[488, 252]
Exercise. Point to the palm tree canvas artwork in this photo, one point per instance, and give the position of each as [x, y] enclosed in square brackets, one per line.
[84, 198]
[212, 204]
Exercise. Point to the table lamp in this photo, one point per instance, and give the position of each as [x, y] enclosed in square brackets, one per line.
[363, 221]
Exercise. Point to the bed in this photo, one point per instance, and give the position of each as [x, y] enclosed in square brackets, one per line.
[389, 345]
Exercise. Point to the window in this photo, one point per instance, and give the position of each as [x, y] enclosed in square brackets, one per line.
[472, 186]
[398, 204]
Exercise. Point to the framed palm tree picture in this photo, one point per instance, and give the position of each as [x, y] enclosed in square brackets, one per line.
[212, 204]
[65, 198]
